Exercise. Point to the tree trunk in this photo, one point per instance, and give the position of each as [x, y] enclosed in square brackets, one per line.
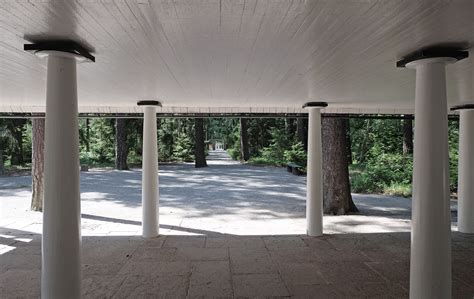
[199, 151]
[88, 132]
[301, 132]
[407, 136]
[2, 163]
[17, 132]
[336, 188]
[121, 146]
[290, 127]
[37, 164]
[363, 149]
[244, 140]
[349, 142]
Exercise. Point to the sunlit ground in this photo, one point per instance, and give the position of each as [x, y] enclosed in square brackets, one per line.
[225, 198]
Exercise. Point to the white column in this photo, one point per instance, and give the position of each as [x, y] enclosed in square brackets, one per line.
[61, 260]
[314, 184]
[150, 192]
[430, 263]
[466, 172]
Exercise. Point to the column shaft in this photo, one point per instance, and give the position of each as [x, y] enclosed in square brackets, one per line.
[430, 264]
[466, 172]
[61, 261]
[150, 191]
[314, 196]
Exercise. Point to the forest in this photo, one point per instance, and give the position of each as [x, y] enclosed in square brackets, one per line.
[378, 151]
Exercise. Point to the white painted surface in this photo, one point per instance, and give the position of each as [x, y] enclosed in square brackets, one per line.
[430, 262]
[466, 172]
[150, 191]
[314, 181]
[235, 54]
[61, 258]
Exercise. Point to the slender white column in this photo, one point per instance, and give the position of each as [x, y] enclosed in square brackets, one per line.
[314, 185]
[430, 263]
[150, 192]
[466, 172]
[61, 260]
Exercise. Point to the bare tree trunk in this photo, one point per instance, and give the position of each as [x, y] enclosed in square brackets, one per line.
[349, 142]
[16, 128]
[301, 132]
[244, 140]
[336, 187]
[2, 163]
[37, 163]
[290, 127]
[199, 151]
[88, 131]
[407, 136]
[121, 146]
[364, 143]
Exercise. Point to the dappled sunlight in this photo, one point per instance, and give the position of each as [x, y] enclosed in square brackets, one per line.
[5, 248]
[364, 224]
[233, 198]
[93, 195]
[10, 241]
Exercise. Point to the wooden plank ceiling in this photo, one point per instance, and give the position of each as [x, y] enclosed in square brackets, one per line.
[235, 55]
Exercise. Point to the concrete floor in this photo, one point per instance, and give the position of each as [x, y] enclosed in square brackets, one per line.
[229, 230]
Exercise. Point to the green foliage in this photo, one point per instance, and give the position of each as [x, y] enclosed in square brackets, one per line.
[274, 153]
[102, 140]
[296, 154]
[398, 189]
[262, 160]
[183, 148]
[381, 172]
[380, 165]
[234, 153]
[86, 158]
[453, 155]
[370, 137]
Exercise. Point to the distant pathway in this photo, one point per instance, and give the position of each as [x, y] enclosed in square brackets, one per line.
[220, 158]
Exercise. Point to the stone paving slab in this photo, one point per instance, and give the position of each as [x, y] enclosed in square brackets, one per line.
[259, 285]
[288, 268]
[210, 279]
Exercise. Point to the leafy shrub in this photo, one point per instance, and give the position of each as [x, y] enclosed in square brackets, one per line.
[234, 153]
[272, 155]
[133, 157]
[385, 173]
[86, 158]
[264, 160]
[183, 149]
[360, 182]
[296, 154]
[385, 169]
[398, 190]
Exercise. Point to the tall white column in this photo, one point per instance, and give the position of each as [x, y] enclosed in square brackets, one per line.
[61, 259]
[150, 191]
[314, 179]
[466, 172]
[430, 263]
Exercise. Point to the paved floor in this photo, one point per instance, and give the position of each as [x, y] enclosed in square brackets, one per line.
[229, 230]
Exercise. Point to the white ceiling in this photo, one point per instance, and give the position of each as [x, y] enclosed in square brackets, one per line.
[235, 55]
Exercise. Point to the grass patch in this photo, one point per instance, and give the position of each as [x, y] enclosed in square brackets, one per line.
[395, 189]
